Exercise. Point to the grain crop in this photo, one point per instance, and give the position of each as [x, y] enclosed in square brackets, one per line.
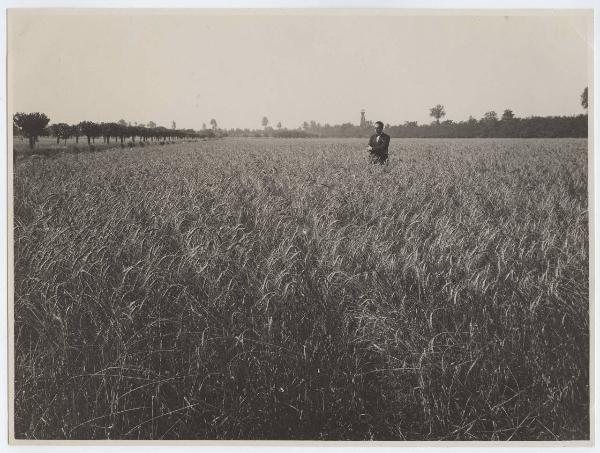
[286, 289]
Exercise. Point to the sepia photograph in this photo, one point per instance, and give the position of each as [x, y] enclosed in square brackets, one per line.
[365, 225]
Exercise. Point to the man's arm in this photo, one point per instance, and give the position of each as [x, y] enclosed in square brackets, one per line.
[370, 145]
[385, 141]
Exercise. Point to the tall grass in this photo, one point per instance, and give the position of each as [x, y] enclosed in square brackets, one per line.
[287, 290]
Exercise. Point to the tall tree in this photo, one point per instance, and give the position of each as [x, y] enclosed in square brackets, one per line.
[151, 124]
[61, 131]
[76, 132]
[437, 112]
[490, 116]
[174, 125]
[508, 115]
[120, 131]
[113, 131]
[89, 129]
[106, 132]
[31, 125]
[265, 122]
[213, 123]
[584, 98]
[133, 131]
[54, 130]
[279, 125]
[161, 132]
[96, 131]
[143, 131]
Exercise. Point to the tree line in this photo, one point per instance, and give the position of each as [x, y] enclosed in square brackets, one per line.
[35, 125]
[491, 125]
[507, 125]
[488, 126]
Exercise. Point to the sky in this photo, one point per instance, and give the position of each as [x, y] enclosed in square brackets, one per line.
[189, 66]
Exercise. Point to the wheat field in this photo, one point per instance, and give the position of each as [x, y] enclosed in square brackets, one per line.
[286, 289]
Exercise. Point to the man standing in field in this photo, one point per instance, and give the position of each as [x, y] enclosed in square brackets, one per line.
[378, 145]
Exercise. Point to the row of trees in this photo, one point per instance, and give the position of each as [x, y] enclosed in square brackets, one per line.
[34, 125]
[491, 125]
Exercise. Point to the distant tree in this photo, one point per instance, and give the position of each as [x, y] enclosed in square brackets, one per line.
[584, 98]
[508, 115]
[203, 126]
[161, 132]
[114, 130]
[61, 131]
[31, 125]
[490, 116]
[305, 126]
[90, 129]
[76, 132]
[265, 122]
[151, 124]
[96, 132]
[53, 129]
[174, 125]
[133, 132]
[411, 124]
[122, 122]
[213, 124]
[106, 132]
[437, 112]
[120, 131]
[489, 124]
[143, 132]
[279, 125]
[470, 128]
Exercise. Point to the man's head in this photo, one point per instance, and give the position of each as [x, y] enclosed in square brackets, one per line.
[379, 127]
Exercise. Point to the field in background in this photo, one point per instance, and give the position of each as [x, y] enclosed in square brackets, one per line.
[283, 289]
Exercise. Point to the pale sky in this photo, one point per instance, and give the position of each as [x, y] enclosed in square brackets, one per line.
[191, 66]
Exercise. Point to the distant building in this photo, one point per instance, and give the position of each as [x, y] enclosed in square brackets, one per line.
[363, 120]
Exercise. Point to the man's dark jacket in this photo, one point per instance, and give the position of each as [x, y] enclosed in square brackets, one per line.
[380, 149]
